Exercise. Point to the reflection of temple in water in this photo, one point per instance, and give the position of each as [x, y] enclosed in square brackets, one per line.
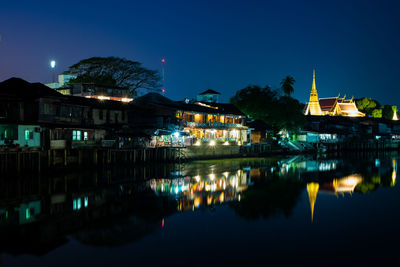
[337, 186]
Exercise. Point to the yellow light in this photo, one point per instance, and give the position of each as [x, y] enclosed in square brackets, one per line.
[212, 176]
[226, 143]
[197, 177]
[239, 143]
[101, 97]
[207, 187]
[198, 143]
[197, 202]
[221, 197]
[212, 143]
[126, 100]
[209, 200]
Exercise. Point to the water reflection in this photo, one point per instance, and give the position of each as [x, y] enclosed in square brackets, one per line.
[113, 207]
[203, 190]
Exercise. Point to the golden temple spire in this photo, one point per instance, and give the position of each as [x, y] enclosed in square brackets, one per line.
[395, 118]
[314, 88]
[312, 190]
[313, 107]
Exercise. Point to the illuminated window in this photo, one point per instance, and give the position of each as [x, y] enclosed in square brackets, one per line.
[28, 135]
[76, 135]
[27, 213]
[86, 202]
[76, 204]
[85, 136]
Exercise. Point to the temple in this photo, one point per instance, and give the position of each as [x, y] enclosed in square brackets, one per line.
[332, 106]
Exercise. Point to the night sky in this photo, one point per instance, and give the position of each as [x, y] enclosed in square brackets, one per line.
[222, 45]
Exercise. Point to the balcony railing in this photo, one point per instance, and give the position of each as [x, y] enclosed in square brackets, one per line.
[213, 124]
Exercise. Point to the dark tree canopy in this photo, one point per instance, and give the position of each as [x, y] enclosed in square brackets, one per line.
[367, 105]
[388, 112]
[287, 85]
[281, 112]
[114, 71]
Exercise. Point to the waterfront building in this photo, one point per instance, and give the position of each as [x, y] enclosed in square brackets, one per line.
[332, 106]
[260, 131]
[90, 90]
[188, 123]
[213, 122]
[153, 119]
[63, 81]
[32, 114]
[101, 92]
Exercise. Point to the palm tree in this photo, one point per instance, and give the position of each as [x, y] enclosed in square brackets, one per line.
[287, 85]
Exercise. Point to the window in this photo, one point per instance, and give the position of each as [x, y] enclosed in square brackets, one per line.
[101, 114]
[76, 204]
[116, 116]
[63, 111]
[46, 108]
[27, 213]
[76, 135]
[27, 135]
[85, 136]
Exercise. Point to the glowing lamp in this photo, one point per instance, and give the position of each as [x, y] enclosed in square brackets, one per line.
[212, 143]
[162, 90]
[52, 64]
[163, 60]
[176, 134]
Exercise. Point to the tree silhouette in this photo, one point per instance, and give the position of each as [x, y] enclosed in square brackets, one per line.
[287, 85]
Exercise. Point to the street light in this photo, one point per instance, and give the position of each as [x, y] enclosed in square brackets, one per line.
[53, 67]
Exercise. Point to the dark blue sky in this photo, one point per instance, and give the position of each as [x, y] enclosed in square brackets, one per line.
[223, 45]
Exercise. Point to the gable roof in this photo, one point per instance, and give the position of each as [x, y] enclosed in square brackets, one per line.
[210, 92]
[154, 99]
[17, 87]
[328, 104]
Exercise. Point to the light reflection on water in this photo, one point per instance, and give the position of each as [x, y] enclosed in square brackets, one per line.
[114, 209]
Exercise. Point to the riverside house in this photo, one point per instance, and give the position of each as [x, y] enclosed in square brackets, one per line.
[188, 123]
[32, 114]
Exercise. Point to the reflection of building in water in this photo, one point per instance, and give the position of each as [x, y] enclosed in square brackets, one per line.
[307, 165]
[346, 184]
[193, 192]
[394, 172]
[342, 185]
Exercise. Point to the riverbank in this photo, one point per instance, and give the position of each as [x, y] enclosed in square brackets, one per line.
[22, 159]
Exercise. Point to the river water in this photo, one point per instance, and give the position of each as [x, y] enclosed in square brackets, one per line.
[288, 211]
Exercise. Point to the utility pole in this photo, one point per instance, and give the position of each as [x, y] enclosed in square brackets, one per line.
[163, 75]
